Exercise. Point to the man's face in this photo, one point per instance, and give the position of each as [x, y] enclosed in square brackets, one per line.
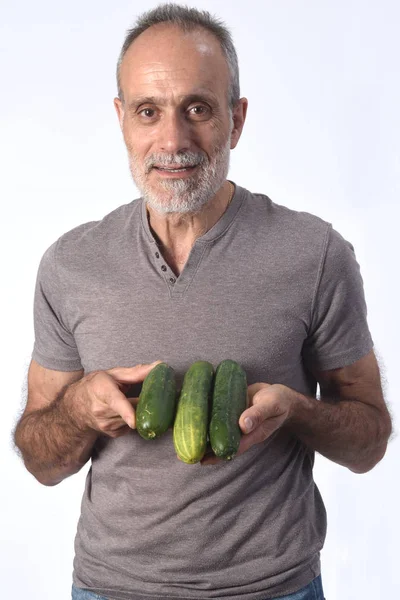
[175, 117]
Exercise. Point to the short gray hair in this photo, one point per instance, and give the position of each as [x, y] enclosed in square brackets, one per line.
[187, 19]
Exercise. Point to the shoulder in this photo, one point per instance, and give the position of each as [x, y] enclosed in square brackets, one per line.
[114, 224]
[92, 240]
[261, 209]
[297, 234]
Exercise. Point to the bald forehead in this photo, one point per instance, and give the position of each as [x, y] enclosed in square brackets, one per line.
[166, 35]
[167, 46]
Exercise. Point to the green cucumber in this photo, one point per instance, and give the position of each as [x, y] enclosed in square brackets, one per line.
[155, 411]
[192, 413]
[228, 402]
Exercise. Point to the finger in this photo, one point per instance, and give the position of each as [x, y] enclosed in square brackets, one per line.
[115, 428]
[121, 431]
[249, 440]
[134, 374]
[259, 434]
[257, 414]
[254, 388]
[134, 401]
[124, 387]
[111, 425]
[209, 457]
[122, 407]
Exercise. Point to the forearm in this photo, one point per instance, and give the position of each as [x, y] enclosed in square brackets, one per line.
[348, 432]
[52, 443]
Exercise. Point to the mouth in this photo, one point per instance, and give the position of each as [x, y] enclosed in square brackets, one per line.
[171, 171]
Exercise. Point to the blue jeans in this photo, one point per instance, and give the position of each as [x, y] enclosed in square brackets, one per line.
[313, 591]
[80, 594]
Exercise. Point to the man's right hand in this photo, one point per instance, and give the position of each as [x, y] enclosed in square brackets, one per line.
[66, 412]
[98, 401]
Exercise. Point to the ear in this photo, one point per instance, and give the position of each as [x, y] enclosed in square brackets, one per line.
[238, 118]
[119, 107]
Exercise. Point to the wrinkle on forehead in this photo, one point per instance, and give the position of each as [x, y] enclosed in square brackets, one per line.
[166, 74]
[158, 68]
[163, 48]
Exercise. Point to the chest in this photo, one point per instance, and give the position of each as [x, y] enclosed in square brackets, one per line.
[255, 316]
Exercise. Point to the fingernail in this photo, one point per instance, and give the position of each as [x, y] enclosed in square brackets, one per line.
[248, 424]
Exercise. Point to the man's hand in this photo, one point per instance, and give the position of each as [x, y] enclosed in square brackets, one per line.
[268, 408]
[98, 401]
[59, 428]
[350, 424]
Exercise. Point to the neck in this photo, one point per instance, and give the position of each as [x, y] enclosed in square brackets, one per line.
[177, 233]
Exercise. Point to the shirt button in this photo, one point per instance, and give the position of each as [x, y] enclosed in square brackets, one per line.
[172, 280]
[163, 267]
[157, 255]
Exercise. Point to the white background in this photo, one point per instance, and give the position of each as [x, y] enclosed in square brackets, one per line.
[322, 135]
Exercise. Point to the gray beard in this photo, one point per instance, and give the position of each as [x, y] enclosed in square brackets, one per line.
[188, 194]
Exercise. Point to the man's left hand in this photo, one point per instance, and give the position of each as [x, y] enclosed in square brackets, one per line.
[269, 407]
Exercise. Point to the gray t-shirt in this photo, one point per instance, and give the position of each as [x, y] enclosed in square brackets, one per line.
[277, 290]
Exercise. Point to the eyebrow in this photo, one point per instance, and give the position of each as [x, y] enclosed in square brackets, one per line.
[160, 101]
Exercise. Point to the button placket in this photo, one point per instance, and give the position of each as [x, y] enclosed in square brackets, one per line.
[178, 285]
[164, 268]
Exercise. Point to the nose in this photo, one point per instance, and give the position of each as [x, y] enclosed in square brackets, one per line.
[174, 133]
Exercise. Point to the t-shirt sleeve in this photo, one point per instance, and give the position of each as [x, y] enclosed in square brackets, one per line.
[339, 334]
[54, 346]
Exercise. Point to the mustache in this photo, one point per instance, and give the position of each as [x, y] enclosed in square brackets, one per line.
[180, 159]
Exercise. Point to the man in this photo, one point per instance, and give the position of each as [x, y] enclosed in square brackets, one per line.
[198, 268]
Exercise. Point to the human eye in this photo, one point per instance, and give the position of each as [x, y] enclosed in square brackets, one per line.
[199, 112]
[147, 113]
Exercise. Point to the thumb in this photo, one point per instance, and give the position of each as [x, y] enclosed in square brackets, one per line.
[262, 407]
[250, 419]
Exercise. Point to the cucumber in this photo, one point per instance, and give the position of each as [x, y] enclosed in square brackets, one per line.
[155, 411]
[192, 413]
[228, 402]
